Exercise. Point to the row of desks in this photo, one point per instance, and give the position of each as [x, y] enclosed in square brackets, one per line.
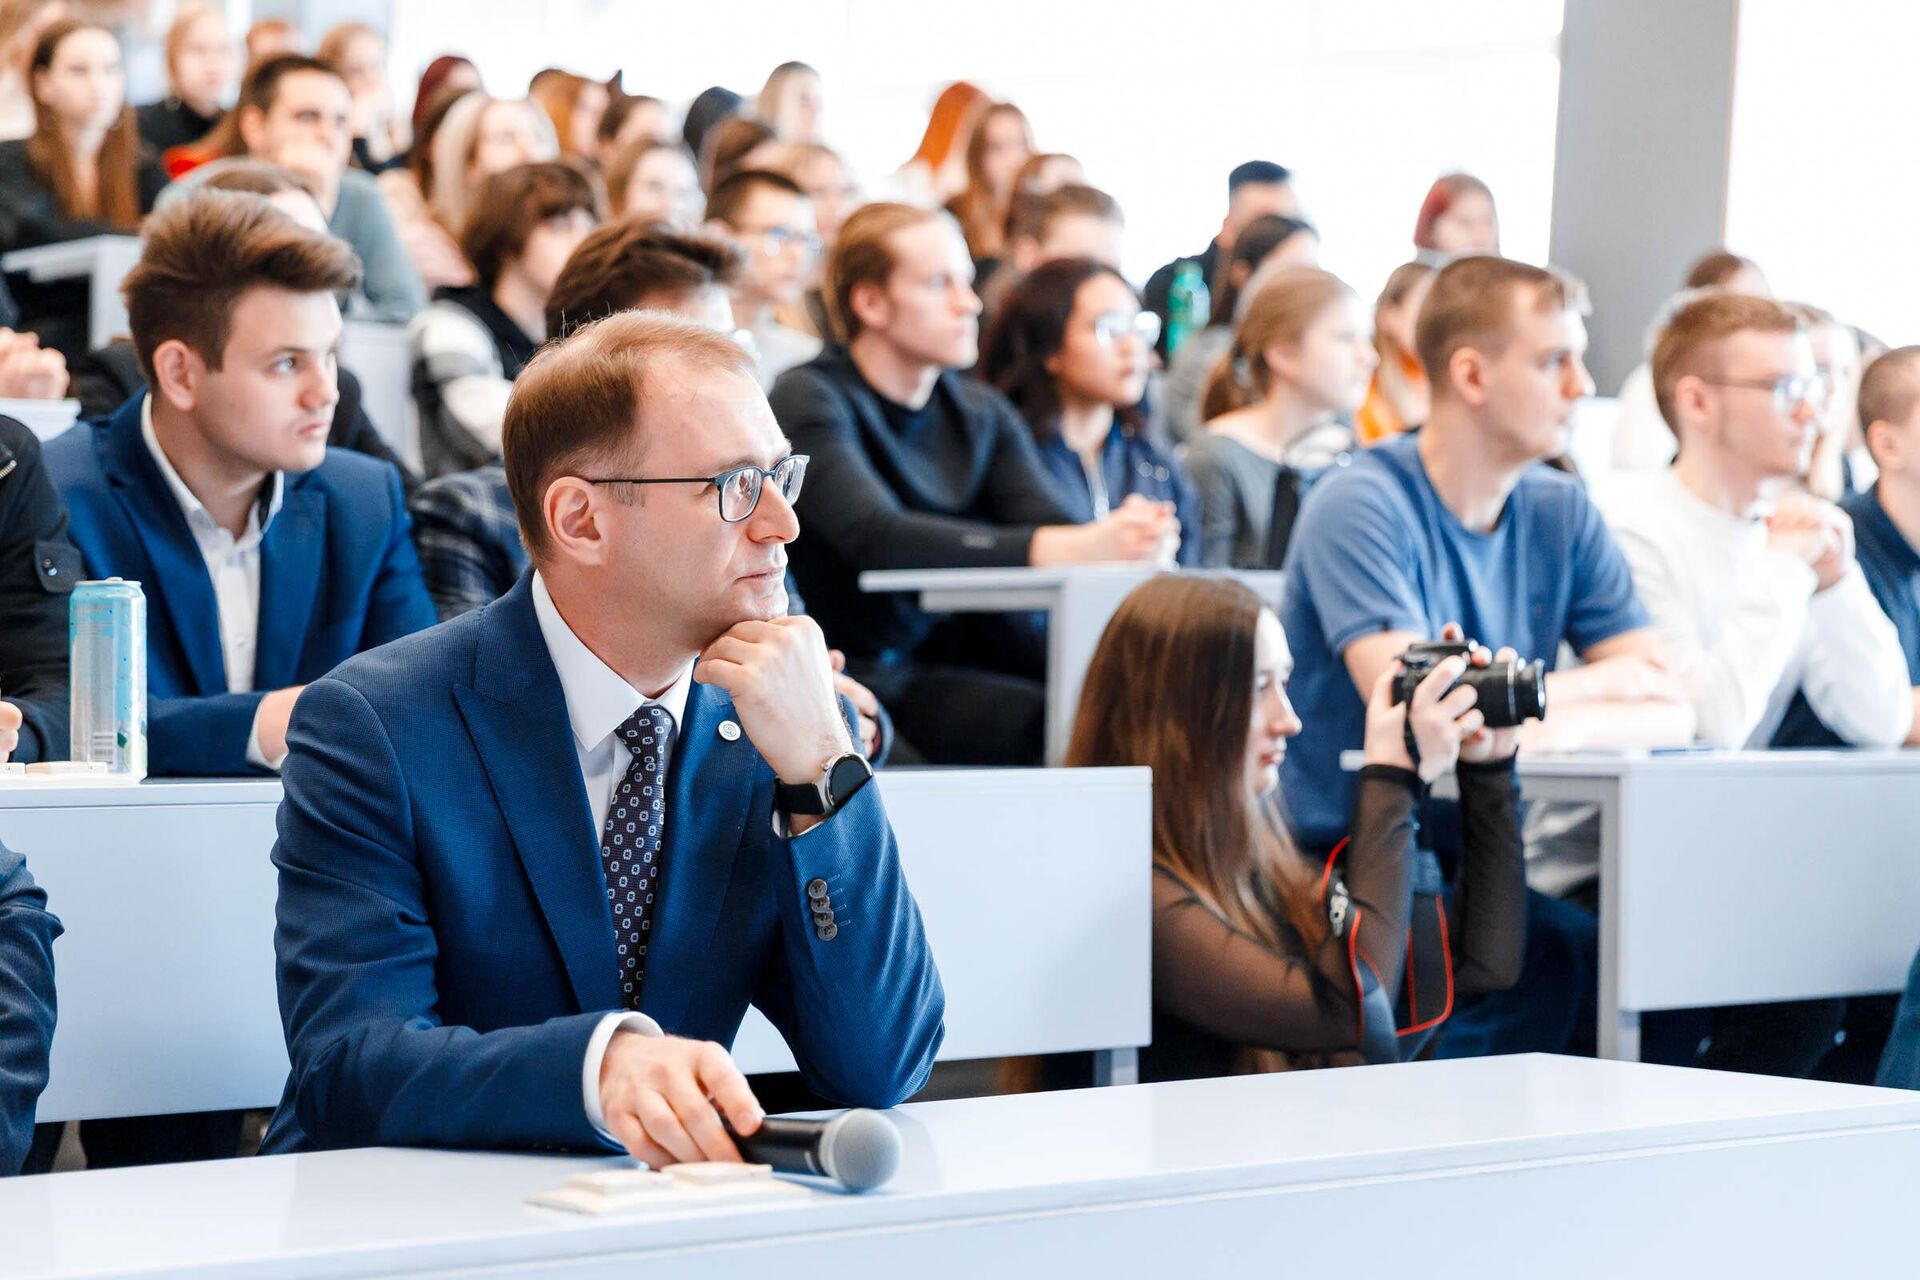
[1037, 907]
[1492, 1167]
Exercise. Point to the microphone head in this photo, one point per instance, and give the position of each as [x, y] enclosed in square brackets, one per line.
[860, 1149]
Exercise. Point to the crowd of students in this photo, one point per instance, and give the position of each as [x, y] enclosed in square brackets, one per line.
[961, 376]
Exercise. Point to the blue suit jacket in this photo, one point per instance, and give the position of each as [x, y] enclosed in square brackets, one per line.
[338, 574]
[26, 1004]
[445, 945]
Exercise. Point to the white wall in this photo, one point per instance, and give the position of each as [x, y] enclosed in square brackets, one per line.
[1367, 99]
[1823, 188]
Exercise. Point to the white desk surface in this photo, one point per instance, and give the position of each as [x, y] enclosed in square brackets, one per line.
[1614, 764]
[992, 1165]
[1019, 577]
[70, 257]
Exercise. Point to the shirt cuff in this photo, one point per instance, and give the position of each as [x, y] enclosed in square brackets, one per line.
[255, 756]
[638, 1024]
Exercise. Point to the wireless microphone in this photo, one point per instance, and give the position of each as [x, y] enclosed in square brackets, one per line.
[858, 1149]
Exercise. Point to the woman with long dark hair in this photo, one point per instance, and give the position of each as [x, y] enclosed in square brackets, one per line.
[1071, 348]
[1261, 959]
[80, 174]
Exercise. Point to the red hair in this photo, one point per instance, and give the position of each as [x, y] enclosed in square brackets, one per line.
[1441, 196]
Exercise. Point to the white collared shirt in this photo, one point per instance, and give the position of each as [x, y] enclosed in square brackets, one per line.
[599, 702]
[233, 567]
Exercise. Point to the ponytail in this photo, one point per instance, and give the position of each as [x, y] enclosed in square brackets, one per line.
[1227, 387]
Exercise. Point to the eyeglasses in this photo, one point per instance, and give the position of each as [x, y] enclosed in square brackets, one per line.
[774, 241]
[1789, 392]
[738, 489]
[1113, 328]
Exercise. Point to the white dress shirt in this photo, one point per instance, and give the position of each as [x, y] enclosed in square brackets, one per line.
[233, 567]
[598, 702]
[1746, 628]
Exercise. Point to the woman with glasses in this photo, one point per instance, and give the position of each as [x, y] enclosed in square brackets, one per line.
[1276, 407]
[472, 342]
[1071, 348]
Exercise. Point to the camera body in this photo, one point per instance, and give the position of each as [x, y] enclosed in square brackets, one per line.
[1509, 693]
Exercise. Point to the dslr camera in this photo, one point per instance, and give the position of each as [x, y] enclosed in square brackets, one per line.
[1509, 692]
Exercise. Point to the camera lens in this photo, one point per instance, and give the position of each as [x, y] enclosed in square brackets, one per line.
[1509, 693]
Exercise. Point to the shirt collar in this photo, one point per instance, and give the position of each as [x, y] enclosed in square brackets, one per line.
[598, 700]
[190, 506]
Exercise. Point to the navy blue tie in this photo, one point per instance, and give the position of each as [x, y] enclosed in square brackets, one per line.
[630, 841]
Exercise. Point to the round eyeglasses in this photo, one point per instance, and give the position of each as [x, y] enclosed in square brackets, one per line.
[1113, 328]
[739, 489]
[1789, 392]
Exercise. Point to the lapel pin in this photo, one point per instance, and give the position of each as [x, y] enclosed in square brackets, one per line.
[730, 731]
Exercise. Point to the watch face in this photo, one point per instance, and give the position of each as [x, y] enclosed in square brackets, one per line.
[846, 777]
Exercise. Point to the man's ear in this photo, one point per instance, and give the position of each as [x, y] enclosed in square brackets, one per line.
[1467, 373]
[870, 305]
[179, 374]
[575, 512]
[253, 128]
[1884, 442]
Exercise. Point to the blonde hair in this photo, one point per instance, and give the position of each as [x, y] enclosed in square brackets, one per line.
[1281, 312]
[451, 199]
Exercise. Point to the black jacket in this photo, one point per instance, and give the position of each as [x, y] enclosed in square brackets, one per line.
[38, 567]
[55, 309]
[107, 377]
[959, 485]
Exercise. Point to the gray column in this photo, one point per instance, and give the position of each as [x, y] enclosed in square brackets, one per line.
[1640, 166]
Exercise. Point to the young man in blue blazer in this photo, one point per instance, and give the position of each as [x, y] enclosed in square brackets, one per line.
[27, 932]
[266, 558]
[536, 863]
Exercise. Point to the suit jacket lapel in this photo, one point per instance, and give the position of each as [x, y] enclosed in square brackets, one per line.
[708, 793]
[290, 565]
[179, 581]
[517, 717]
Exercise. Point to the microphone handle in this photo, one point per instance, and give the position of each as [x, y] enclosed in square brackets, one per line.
[791, 1146]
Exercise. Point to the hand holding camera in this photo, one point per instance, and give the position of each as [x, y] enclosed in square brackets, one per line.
[1450, 700]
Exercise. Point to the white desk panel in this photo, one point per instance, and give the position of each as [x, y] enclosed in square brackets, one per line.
[1489, 1167]
[168, 896]
[104, 260]
[1745, 876]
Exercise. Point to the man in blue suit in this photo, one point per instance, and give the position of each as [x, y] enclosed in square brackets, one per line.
[266, 557]
[536, 863]
[27, 932]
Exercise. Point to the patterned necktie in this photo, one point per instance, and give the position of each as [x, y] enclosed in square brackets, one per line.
[630, 841]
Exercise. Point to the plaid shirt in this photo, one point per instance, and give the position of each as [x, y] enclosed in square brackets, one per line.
[468, 538]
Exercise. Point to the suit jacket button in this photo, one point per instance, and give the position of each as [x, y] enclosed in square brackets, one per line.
[828, 931]
[817, 889]
[823, 917]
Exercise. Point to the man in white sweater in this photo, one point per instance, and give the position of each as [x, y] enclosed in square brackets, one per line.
[1756, 593]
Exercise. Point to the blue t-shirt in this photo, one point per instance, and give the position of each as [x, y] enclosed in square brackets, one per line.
[1892, 569]
[1376, 550]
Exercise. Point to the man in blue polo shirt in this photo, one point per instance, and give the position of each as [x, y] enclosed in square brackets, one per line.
[1462, 522]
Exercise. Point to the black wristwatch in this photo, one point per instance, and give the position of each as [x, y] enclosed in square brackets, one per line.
[844, 776]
